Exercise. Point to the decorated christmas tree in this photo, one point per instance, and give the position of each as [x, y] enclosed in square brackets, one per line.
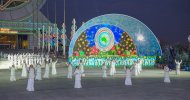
[126, 46]
[81, 46]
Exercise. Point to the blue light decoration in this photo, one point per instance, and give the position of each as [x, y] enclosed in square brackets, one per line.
[144, 44]
[93, 30]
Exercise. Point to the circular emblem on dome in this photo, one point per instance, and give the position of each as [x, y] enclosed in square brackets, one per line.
[104, 39]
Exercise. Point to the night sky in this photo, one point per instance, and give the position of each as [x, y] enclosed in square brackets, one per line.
[168, 19]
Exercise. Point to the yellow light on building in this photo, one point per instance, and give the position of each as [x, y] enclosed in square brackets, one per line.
[7, 30]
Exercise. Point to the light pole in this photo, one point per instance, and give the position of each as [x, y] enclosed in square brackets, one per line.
[63, 38]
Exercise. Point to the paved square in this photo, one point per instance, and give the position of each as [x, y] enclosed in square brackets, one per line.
[148, 85]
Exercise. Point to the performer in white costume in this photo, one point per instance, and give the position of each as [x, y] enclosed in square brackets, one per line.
[31, 60]
[104, 68]
[69, 74]
[38, 71]
[9, 57]
[128, 77]
[81, 67]
[24, 66]
[12, 75]
[138, 66]
[113, 64]
[111, 68]
[35, 59]
[46, 74]
[141, 62]
[1, 54]
[15, 60]
[31, 75]
[134, 69]
[77, 74]
[42, 61]
[166, 74]
[54, 72]
[178, 63]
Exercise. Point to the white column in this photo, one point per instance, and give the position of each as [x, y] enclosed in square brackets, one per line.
[48, 39]
[42, 38]
[73, 28]
[57, 35]
[39, 38]
[63, 37]
[64, 45]
[51, 37]
[54, 32]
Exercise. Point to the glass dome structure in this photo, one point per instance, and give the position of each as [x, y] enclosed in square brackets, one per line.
[144, 41]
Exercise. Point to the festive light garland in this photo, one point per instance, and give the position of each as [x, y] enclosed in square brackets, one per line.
[97, 61]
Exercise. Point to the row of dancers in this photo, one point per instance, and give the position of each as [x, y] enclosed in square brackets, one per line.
[27, 59]
[34, 71]
[136, 69]
[128, 73]
[38, 68]
[79, 71]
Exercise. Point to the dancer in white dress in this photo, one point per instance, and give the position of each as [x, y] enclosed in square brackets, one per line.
[69, 74]
[178, 63]
[128, 77]
[81, 67]
[141, 62]
[104, 68]
[38, 71]
[54, 72]
[12, 75]
[166, 74]
[9, 57]
[112, 68]
[77, 74]
[138, 66]
[31, 75]
[24, 72]
[134, 69]
[113, 64]
[46, 74]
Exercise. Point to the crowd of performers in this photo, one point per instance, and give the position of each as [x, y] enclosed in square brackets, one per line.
[31, 65]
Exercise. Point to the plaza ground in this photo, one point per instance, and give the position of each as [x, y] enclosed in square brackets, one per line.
[148, 85]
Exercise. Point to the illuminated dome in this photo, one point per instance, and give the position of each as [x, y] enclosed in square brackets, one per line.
[131, 36]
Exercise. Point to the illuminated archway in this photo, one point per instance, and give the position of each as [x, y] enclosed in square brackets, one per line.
[124, 34]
